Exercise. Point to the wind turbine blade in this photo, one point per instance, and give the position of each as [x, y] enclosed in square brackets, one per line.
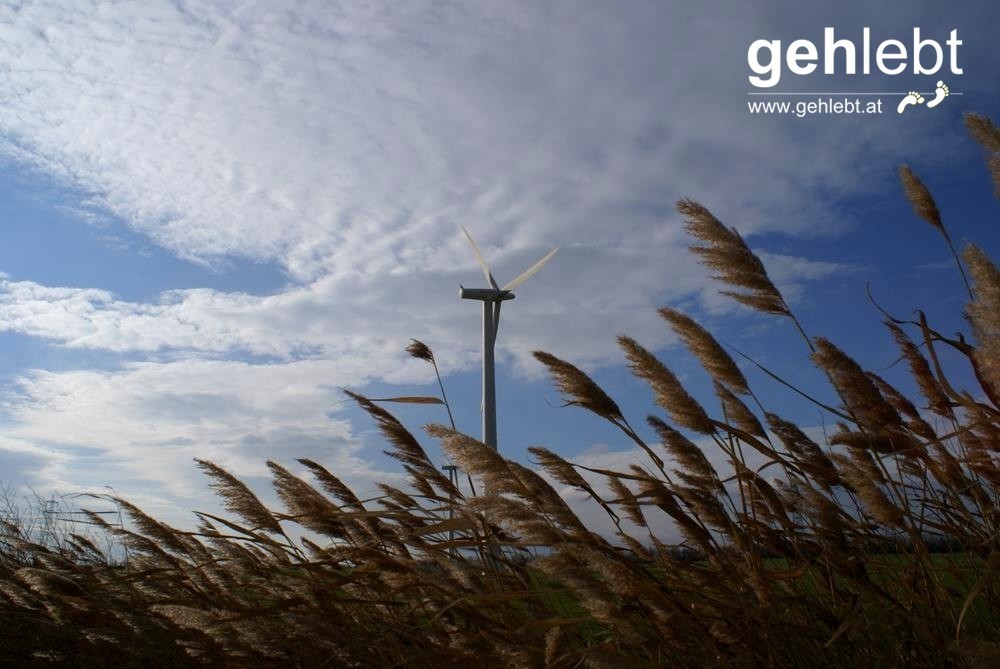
[479, 257]
[530, 272]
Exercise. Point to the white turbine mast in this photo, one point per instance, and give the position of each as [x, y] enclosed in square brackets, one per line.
[492, 298]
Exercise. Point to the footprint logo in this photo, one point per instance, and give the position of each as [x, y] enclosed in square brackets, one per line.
[940, 93]
[912, 98]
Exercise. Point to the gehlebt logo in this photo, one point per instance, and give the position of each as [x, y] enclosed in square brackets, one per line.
[771, 59]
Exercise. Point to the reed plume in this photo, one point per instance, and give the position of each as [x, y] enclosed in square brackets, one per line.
[724, 251]
[237, 498]
[667, 390]
[984, 315]
[707, 350]
[925, 207]
[984, 131]
[579, 388]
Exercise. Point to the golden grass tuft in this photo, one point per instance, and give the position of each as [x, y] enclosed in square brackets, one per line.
[985, 131]
[579, 388]
[707, 350]
[724, 251]
[920, 198]
[667, 390]
[984, 315]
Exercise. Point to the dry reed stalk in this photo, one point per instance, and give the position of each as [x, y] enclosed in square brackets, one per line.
[920, 370]
[921, 199]
[306, 505]
[163, 534]
[807, 453]
[580, 388]
[479, 460]
[373, 526]
[925, 207]
[725, 252]
[566, 474]
[915, 423]
[691, 458]
[737, 413]
[548, 502]
[984, 315]
[406, 449]
[707, 350]
[238, 499]
[668, 391]
[861, 398]
[665, 499]
[628, 502]
[870, 491]
[984, 131]
[422, 351]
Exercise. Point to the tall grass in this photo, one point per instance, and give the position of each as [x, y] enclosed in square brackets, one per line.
[799, 552]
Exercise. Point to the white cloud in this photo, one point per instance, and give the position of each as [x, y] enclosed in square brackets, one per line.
[353, 141]
[140, 428]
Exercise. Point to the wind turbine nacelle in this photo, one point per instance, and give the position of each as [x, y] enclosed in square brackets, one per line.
[485, 294]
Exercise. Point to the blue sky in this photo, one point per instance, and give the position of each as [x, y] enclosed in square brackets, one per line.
[215, 215]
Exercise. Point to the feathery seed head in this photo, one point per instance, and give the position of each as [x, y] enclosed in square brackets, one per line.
[725, 252]
[987, 134]
[984, 314]
[420, 350]
[669, 392]
[921, 199]
[691, 459]
[861, 397]
[737, 412]
[579, 389]
[709, 352]
[236, 497]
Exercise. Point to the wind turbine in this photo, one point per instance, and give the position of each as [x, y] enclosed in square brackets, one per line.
[492, 298]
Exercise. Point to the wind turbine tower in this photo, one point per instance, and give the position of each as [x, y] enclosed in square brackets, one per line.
[492, 298]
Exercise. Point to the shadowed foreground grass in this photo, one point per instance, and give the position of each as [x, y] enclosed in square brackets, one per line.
[800, 553]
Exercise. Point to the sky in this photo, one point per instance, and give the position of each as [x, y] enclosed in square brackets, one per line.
[215, 216]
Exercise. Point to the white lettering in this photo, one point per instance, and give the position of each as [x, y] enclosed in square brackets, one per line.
[891, 56]
[773, 67]
[829, 49]
[881, 56]
[794, 56]
[918, 46]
